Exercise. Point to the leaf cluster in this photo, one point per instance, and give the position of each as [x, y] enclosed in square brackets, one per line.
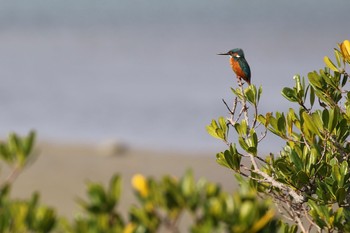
[310, 177]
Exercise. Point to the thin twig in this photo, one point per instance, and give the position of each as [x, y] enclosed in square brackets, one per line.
[310, 221]
[297, 218]
[255, 115]
[232, 112]
[263, 135]
[261, 159]
[13, 175]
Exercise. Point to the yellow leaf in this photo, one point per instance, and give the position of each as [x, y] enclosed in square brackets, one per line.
[263, 221]
[345, 50]
[330, 64]
[139, 183]
[129, 228]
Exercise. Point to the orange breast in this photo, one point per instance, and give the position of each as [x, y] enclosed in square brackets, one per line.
[236, 68]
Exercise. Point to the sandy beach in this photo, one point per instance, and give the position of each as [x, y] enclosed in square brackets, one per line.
[61, 170]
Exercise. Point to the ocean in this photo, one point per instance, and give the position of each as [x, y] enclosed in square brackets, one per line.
[146, 72]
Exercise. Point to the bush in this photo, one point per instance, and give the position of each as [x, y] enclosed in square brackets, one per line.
[309, 179]
[161, 204]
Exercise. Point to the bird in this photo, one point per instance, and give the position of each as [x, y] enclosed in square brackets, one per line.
[239, 64]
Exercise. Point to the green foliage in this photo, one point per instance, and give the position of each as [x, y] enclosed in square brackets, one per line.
[210, 209]
[16, 151]
[310, 177]
[161, 204]
[100, 213]
[218, 129]
[21, 215]
[25, 216]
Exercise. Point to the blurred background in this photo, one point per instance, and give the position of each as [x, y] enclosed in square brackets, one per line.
[146, 72]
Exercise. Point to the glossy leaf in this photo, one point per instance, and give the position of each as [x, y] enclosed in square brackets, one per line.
[289, 94]
[220, 159]
[212, 129]
[316, 80]
[310, 124]
[233, 158]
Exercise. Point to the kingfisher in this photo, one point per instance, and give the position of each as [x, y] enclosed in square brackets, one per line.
[239, 64]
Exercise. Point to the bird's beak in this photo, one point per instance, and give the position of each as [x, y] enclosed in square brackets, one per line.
[222, 54]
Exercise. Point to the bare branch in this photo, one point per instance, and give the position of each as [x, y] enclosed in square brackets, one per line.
[297, 198]
[244, 101]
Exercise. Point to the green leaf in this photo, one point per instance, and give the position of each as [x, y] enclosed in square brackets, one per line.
[344, 167]
[211, 129]
[259, 94]
[229, 159]
[333, 118]
[344, 81]
[29, 142]
[233, 158]
[337, 55]
[187, 184]
[289, 94]
[252, 142]
[14, 144]
[6, 153]
[337, 175]
[317, 120]
[237, 92]
[316, 80]
[281, 124]
[220, 133]
[283, 166]
[243, 144]
[221, 160]
[297, 83]
[303, 178]
[340, 195]
[216, 130]
[312, 96]
[262, 120]
[241, 128]
[309, 123]
[274, 127]
[250, 94]
[325, 117]
[223, 126]
[339, 215]
[332, 81]
[296, 160]
[115, 188]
